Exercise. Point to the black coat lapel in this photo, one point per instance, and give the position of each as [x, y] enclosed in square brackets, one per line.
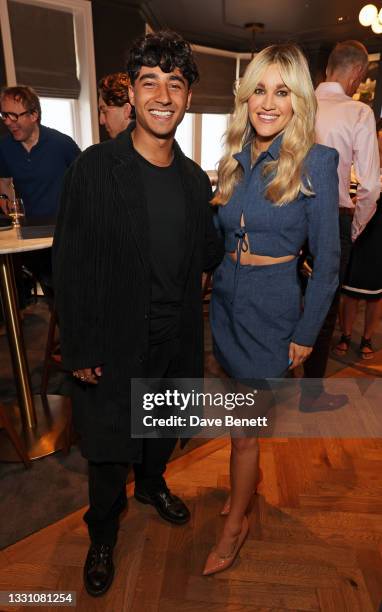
[128, 177]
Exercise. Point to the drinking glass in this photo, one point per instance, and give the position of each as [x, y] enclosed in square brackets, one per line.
[15, 210]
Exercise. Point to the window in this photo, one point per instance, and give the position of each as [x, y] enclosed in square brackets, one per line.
[201, 137]
[213, 129]
[58, 113]
[185, 134]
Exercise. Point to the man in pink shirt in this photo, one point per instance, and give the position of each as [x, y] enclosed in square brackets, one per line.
[349, 127]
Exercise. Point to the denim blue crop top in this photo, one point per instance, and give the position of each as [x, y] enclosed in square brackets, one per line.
[277, 231]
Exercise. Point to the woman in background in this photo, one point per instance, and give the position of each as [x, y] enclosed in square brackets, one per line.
[276, 189]
[364, 281]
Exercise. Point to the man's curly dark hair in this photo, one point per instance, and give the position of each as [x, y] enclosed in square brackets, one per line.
[165, 49]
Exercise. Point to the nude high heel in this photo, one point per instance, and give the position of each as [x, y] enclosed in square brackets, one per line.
[215, 563]
[227, 506]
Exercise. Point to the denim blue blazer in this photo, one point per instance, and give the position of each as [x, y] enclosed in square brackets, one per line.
[283, 230]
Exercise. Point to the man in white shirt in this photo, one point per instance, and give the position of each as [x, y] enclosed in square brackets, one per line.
[349, 127]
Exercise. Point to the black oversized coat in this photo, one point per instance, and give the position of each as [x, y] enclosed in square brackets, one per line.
[102, 285]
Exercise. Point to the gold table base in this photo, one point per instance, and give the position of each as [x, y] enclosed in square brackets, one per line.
[16, 340]
[40, 422]
[48, 435]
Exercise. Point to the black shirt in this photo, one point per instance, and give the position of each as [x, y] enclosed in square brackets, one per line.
[166, 208]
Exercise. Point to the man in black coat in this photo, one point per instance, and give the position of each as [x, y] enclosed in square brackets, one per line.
[133, 237]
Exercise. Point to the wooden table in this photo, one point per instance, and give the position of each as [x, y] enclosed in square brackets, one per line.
[40, 423]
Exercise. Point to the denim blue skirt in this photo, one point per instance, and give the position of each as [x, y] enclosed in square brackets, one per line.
[253, 313]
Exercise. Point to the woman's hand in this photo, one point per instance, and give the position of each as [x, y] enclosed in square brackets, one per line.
[88, 375]
[298, 354]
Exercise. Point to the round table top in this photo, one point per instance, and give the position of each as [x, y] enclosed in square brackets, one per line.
[11, 243]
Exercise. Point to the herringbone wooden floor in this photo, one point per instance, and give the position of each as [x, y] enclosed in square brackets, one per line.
[315, 541]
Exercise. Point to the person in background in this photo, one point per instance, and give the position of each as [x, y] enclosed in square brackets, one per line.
[37, 158]
[276, 189]
[134, 234]
[349, 127]
[363, 280]
[115, 110]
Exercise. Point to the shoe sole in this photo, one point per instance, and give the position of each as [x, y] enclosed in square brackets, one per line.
[104, 590]
[145, 500]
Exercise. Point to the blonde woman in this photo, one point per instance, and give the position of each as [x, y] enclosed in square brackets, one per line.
[276, 189]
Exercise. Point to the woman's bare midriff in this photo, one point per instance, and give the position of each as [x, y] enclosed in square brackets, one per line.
[251, 259]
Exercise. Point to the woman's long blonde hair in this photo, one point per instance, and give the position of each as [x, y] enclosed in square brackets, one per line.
[286, 172]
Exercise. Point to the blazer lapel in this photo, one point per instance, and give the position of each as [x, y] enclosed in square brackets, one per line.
[128, 178]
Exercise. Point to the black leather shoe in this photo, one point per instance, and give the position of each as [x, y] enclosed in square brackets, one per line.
[99, 569]
[169, 506]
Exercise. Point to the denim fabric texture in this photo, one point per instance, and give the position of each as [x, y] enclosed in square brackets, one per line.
[260, 300]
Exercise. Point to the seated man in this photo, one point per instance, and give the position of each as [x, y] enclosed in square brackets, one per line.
[37, 158]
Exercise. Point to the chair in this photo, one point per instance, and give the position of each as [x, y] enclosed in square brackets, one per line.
[5, 423]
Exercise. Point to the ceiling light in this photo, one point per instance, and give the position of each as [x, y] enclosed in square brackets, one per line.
[376, 26]
[368, 15]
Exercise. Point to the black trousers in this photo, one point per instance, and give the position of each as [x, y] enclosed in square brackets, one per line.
[107, 481]
[315, 365]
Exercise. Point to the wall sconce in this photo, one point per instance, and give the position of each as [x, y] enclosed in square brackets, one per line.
[369, 16]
